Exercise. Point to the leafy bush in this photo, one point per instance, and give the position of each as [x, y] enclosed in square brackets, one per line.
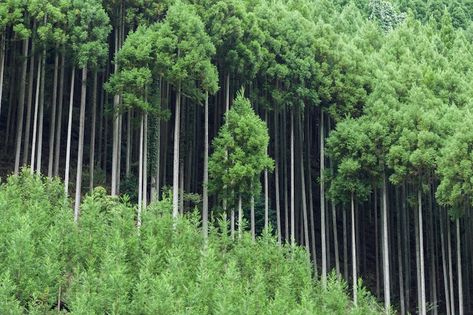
[106, 265]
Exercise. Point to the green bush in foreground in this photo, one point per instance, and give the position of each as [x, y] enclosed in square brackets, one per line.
[106, 265]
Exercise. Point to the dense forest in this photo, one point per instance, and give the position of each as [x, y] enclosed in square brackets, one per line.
[340, 127]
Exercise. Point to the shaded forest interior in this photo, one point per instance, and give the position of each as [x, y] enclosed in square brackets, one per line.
[366, 105]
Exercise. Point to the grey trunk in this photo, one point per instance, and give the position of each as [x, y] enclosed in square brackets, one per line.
[205, 193]
[322, 201]
[175, 174]
[353, 251]
[80, 150]
[21, 106]
[92, 133]
[387, 290]
[59, 119]
[69, 131]
[52, 129]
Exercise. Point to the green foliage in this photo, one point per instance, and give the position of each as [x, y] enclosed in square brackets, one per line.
[240, 152]
[89, 28]
[105, 264]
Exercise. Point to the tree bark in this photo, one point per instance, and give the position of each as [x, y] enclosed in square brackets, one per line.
[293, 231]
[2, 67]
[145, 161]
[450, 267]
[387, 290]
[459, 270]
[80, 150]
[21, 107]
[423, 309]
[128, 144]
[69, 131]
[41, 115]
[322, 200]
[140, 172]
[205, 193]
[240, 217]
[303, 191]
[175, 176]
[444, 262]
[52, 128]
[266, 192]
[276, 176]
[59, 118]
[92, 133]
[353, 250]
[35, 118]
[252, 213]
[399, 257]
[29, 100]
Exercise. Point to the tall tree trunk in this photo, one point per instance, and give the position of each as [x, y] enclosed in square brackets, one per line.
[21, 106]
[252, 213]
[322, 200]
[41, 115]
[52, 128]
[80, 150]
[345, 244]
[276, 175]
[310, 196]
[303, 191]
[240, 217]
[293, 231]
[29, 100]
[145, 162]
[115, 141]
[353, 251]
[444, 262]
[59, 118]
[92, 133]
[266, 192]
[387, 290]
[399, 256]
[205, 194]
[459, 269]
[450, 267]
[128, 144]
[423, 309]
[140, 172]
[69, 131]
[35, 118]
[175, 175]
[2, 66]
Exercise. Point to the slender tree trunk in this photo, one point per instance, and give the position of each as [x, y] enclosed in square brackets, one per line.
[285, 182]
[92, 133]
[423, 309]
[252, 213]
[303, 192]
[59, 118]
[175, 177]
[311, 199]
[52, 129]
[459, 270]
[450, 267]
[115, 141]
[444, 262]
[399, 256]
[353, 250]
[2, 67]
[345, 244]
[276, 176]
[322, 200]
[128, 144]
[80, 150]
[140, 172]
[35, 119]
[240, 216]
[41, 115]
[266, 192]
[21, 107]
[205, 194]
[145, 161]
[387, 290]
[69, 131]
[293, 231]
[29, 100]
